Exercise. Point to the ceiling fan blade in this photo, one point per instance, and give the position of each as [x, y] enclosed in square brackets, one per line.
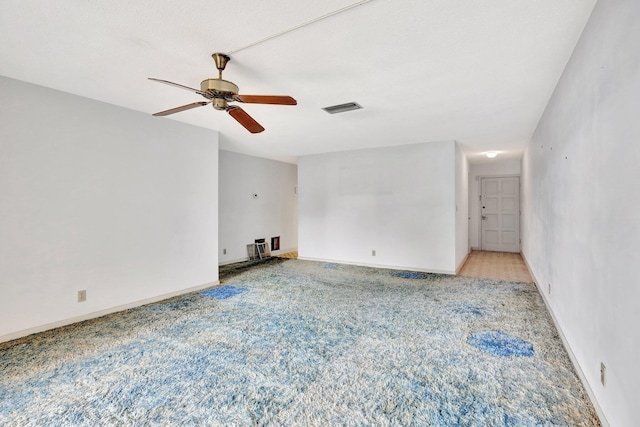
[182, 108]
[266, 99]
[167, 82]
[245, 119]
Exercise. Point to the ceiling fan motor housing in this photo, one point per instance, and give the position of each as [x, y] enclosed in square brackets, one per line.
[219, 85]
[219, 89]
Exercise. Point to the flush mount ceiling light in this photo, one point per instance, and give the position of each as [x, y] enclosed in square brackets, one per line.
[492, 154]
[341, 108]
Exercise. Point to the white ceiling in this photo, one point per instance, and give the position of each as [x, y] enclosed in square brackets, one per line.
[478, 72]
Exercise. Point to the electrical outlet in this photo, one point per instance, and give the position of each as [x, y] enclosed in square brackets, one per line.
[224, 252]
[373, 252]
[603, 372]
[82, 296]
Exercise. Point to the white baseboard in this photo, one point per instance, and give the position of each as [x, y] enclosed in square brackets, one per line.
[567, 348]
[96, 314]
[390, 267]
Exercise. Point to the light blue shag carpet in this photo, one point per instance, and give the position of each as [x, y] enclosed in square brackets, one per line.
[301, 343]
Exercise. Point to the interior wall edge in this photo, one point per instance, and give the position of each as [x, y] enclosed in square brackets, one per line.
[461, 264]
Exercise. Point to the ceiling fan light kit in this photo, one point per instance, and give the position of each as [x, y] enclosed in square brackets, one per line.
[220, 92]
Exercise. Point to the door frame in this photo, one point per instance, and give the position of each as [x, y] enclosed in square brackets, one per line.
[480, 178]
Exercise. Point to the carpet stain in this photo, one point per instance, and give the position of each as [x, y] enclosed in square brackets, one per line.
[469, 309]
[410, 274]
[223, 292]
[499, 343]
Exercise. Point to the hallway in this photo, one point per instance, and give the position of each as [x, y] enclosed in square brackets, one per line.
[496, 265]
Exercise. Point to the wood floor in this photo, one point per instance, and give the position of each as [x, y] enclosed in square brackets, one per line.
[496, 265]
[486, 265]
[293, 255]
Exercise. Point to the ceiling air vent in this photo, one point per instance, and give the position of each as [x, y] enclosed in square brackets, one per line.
[335, 109]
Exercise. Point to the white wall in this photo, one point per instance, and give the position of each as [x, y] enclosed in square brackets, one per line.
[398, 201]
[494, 168]
[462, 208]
[581, 232]
[101, 198]
[243, 218]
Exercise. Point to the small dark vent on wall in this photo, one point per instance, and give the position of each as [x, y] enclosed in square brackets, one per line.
[342, 108]
[275, 243]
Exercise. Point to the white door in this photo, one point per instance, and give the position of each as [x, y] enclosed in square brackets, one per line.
[500, 210]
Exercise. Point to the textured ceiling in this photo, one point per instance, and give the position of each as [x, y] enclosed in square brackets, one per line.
[476, 72]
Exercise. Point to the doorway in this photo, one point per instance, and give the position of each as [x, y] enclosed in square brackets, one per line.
[500, 214]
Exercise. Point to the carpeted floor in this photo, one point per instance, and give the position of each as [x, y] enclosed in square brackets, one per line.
[294, 342]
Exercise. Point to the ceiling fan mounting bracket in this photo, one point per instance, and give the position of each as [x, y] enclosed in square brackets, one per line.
[221, 61]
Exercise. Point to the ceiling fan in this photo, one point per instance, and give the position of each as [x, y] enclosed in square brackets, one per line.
[220, 92]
